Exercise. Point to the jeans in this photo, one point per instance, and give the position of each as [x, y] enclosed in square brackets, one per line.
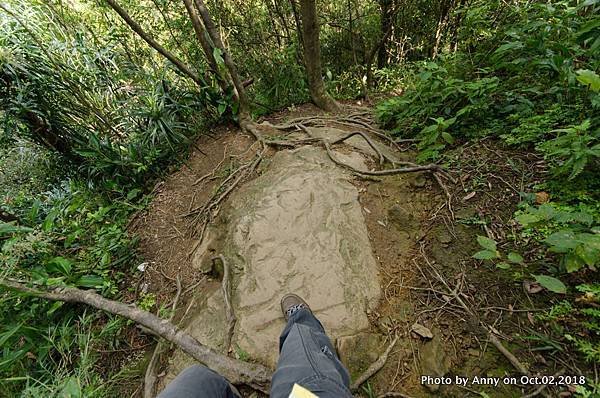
[306, 357]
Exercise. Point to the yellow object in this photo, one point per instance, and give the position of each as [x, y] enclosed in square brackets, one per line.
[301, 392]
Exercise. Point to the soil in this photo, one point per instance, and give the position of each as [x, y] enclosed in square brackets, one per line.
[420, 243]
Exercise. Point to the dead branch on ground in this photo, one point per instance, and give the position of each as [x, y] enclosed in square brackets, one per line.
[236, 371]
[374, 368]
[470, 309]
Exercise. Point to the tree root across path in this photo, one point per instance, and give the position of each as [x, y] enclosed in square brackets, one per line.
[236, 371]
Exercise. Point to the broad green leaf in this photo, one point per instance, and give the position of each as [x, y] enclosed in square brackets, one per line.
[503, 265]
[133, 194]
[59, 264]
[49, 221]
[527, 218]
[515, 258]
[90, 281]
[589, 78]
[551, 283]
[562, 241]
[486, 243]
[572, 262]
[71, 389]
[448, 138]
[9, 229]
[486, 255]
[218, 54]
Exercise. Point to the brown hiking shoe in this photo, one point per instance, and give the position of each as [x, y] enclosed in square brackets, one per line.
[291, 303]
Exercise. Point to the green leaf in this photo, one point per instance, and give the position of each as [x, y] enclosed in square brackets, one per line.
[551, 283]
[486, 243]
[59, 264]
[486, 255]
[133, 194]
[9, 229]
[503, 265]
[448, 138]
[49, 221]
[218, 54]
[527, 218]
[515, 258]
[90, 281]
[572, 262]
[589, 78]
[562, 241]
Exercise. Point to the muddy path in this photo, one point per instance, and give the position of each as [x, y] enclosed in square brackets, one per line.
[377, 258]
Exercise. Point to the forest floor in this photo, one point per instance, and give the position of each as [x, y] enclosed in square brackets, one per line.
[439, 301]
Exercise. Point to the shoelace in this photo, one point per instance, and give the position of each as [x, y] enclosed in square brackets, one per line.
[290, 311]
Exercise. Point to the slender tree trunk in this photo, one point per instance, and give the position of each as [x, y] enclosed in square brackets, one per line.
[283, 20]
[215, 36]
[186, 70]
[207, 46]
[312, 56]
[386, 24]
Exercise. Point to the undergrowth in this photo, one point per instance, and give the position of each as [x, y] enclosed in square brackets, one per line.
[531, 82]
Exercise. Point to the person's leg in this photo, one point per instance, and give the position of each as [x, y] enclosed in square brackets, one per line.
[198, 381]
[307, 357]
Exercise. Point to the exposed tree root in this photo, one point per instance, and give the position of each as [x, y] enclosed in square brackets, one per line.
[229, 313]
[236, 371]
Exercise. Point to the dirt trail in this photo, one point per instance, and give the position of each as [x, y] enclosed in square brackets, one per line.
[356, 248]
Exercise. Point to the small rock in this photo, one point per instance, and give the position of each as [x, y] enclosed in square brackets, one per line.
[421, 331]
[473, 352]
[434, 361]
[142, 267]
[401, 218]
[419, 181]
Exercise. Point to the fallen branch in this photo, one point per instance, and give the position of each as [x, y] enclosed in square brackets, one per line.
[507, 354]
[236, 371]
[374, 368]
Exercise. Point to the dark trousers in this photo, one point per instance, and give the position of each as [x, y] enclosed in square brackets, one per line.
[306, 357]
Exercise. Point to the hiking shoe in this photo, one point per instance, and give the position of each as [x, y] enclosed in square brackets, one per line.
[291, 303]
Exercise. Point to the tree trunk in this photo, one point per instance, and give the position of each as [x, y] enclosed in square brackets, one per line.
[312, 56]
[215, 36]
[186, 70]
[207, 46]
[386, 25]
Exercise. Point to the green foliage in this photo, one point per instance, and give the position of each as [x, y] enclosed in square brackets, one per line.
[491, 252]
[573, 234]
[573, 149]
[452, 103]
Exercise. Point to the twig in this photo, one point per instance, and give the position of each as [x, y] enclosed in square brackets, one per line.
[236, 371]
[374, 368]
[507, 354]
[541, 388]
